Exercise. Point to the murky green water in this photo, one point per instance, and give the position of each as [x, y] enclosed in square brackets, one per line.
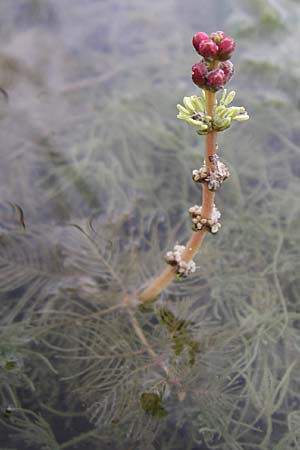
[95, 185]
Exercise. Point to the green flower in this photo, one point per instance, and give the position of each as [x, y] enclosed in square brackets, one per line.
[193, 112]
[224, 115]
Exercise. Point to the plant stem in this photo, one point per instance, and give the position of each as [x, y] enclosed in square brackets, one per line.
[195, 241]
[140, 334]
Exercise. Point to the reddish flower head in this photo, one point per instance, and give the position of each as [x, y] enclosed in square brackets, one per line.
[197, 38]
[228, 70]
[208, 49]
[215, 79]
[226, 48]
[217, 36]
[199, 72]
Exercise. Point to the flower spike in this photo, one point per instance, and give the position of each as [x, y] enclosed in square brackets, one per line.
[209, 115]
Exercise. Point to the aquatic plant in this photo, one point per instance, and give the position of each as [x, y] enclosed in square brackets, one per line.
[210, 115]
[212, 362]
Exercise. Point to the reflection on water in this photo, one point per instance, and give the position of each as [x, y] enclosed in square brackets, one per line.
[94, 188]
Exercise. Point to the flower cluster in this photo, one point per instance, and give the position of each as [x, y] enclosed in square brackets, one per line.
[193, 112]
[212, 80]
[174, 258]
[216, 46]
[213, 178]
[214, 70]
[200, 222]
[224, 115]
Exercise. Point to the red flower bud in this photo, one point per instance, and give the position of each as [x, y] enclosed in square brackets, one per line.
[208, 48]
[217, 36]
[197, 38]
[226, 48]
[215, 79]
[199, 72]
[228, 70]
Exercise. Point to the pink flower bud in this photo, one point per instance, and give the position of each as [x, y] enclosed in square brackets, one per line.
[226, 48]
[215, 79]
[197, 38]
[199, 72]
[208, 48]
[228, 70]
[217, 36]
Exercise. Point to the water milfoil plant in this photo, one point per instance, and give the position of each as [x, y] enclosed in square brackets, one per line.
[210, 114]
[213, 363]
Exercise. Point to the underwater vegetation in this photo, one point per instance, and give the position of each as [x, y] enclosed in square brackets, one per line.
[97, 180]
